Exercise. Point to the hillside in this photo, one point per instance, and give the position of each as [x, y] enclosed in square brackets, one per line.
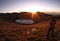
[11, 31]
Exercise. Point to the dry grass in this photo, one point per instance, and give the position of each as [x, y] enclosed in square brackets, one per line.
[16, 32]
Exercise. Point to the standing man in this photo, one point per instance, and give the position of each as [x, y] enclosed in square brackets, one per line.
[52, 26]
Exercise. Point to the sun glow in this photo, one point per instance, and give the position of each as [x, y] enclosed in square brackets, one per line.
[33, 13]
[32, 8]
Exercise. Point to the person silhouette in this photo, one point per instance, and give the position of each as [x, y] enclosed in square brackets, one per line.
[52, 26]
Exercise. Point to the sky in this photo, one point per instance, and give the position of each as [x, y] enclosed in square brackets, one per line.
[29, 5]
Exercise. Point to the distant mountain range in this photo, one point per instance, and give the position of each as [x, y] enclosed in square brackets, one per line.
[39, 16]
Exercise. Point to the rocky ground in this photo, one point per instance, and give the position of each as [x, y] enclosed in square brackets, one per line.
[10, 31]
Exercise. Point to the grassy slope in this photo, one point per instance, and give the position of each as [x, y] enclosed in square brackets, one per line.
[15, 31]
[10, 31]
